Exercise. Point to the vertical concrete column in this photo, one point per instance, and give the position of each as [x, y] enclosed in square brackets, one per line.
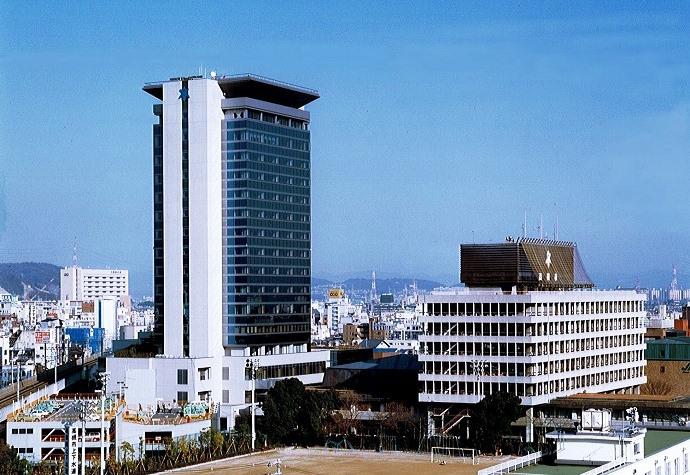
[529, 427]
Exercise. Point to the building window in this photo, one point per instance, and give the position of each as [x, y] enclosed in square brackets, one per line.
[182, 376]
[226, 396]
[182, 396]
[226, 373]
[204, 374]
[248, 397]
[223, 424]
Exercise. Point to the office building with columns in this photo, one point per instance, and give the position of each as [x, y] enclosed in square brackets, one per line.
[530, 323]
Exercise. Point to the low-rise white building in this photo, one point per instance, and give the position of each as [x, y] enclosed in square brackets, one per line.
[78, 283]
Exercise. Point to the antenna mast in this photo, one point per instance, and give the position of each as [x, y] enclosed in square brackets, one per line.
[524, 226]
[74, 253]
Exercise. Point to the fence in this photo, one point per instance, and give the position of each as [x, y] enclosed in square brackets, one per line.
[607, 466]
[510, 465]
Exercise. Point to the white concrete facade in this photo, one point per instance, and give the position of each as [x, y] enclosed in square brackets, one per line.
[204, 118]
[172, 212]
[537, 345]
[220, 380]
[205, 219]
[82, 284]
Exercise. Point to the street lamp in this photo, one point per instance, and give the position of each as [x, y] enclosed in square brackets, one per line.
[253, 367]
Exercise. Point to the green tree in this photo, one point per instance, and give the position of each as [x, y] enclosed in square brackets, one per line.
[10, 462]
[295, 415]
[282, 408]
[491, 419]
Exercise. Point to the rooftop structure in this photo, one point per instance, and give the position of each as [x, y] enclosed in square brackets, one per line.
[527, 264]
[251, 85]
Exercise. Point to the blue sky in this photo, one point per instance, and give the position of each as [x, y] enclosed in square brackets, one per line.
[438, 123]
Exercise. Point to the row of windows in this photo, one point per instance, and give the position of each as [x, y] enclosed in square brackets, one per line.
[267, 162]
[461, 368]
[22, 431]
[531, 389]
[613, 323]
[265, 289]
[538, 349]
[268, 206]
[533, 309]
[267, 280]
[267, 309]
[268, 329]
[267, 196]
[240, 270]
[251, 232]
[268, 261]
[257, 116]
[296, 189]
[267, 150]
[290, 127]
[267, 223]
[255, 213]
[266, 243]
[268, 139]
[668, 469]
[269, 177]
[287, 370]
[253, 251]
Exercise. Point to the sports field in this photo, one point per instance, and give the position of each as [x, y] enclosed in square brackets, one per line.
[343, 462]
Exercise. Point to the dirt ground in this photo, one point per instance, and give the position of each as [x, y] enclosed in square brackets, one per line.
[343, 462]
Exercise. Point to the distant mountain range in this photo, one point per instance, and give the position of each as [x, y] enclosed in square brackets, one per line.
[31, 280]
[40, 280]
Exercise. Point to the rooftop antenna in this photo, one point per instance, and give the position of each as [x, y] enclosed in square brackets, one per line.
[555, 231]
[524, 226]
[541, 226]
[74, 253]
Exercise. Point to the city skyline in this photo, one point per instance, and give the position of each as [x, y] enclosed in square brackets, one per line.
[429, 132]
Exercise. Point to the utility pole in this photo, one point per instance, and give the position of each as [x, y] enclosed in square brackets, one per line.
[253, 367]
[82, 417]
[103, 377]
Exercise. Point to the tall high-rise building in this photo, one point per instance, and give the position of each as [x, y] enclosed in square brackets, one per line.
[232, 243]
[232, 237]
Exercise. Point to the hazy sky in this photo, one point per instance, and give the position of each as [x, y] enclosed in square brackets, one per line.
[437, 123]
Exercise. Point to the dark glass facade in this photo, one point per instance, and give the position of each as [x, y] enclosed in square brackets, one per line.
[158, 266]
[267, 229]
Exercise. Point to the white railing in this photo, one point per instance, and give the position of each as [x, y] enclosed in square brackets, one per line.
[510, 465]
[607, 466]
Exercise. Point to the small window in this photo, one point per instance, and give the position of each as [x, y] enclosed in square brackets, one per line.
[226, 373]
[182, 377]
[182, 396]
[226, 396]
[223, 424]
